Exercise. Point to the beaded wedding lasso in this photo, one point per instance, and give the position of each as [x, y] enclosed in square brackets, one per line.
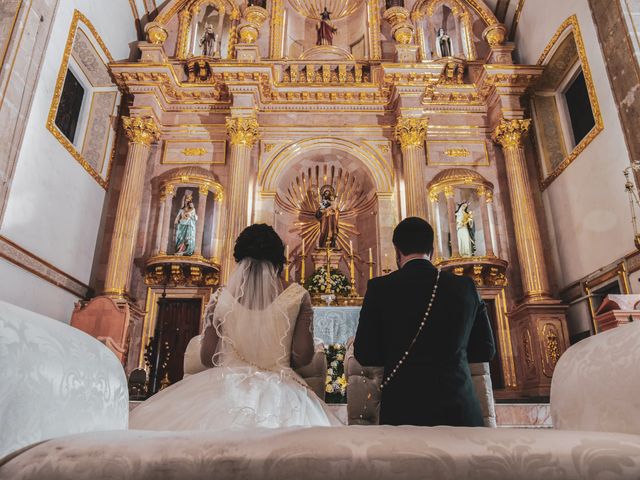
[386, 381]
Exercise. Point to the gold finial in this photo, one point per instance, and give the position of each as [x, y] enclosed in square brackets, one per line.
[243, 130]
[495, 35]
[156, 33]
[141, 130]
[411, 131]
[509, 133]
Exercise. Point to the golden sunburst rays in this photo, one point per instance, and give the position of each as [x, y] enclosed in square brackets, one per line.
[302, 199]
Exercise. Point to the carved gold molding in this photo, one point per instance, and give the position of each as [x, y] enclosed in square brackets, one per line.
[141, 130]
[276, 44]
[478, 6]
[572, 23]
[243, 130]
[510, 133]
[411, 131]
[78, 18]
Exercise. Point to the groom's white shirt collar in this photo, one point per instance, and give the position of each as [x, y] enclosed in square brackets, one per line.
[411, 258]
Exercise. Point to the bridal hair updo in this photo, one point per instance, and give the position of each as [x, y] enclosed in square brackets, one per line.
[260, 242]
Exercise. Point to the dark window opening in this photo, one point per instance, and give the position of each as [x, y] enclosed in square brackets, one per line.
[579, 105]
[70, 105]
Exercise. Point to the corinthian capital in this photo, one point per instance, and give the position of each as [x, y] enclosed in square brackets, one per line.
[411, 131]
[243, 130]
[141, 130]
[509, 133]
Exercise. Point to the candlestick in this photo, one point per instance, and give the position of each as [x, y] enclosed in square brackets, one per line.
[286, 268]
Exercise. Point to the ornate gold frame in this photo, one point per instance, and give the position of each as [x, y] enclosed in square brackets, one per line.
[78, 18]
[571, 24]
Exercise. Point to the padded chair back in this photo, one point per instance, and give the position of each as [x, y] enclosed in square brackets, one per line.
[55, 380]
[596, 383]
[363, 392]
[313, 374]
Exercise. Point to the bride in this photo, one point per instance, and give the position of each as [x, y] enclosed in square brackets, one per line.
[255, 332]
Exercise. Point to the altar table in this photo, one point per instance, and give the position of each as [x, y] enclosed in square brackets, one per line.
[335, 324]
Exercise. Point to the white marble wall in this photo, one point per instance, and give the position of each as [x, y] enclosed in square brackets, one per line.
[586, 206]
[54, 205]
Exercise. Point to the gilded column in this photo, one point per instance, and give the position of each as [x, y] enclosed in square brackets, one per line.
[183, 34]
[509, 134]
[483, 195]
[411, 133]
[163, 217]
[453, 225]
[243, 134]
[141, 131]
[203, 192]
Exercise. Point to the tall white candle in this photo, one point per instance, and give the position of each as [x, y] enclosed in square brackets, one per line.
[303, 247]
[351, 248]
[370, 255]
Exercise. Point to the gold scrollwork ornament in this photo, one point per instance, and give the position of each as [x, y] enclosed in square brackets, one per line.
[411, 131]
[509, 133]
[243, 130]
[156, 33]
[141, 130]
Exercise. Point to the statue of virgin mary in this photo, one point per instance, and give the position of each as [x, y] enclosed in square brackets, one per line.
[185, 224]
[466, 230]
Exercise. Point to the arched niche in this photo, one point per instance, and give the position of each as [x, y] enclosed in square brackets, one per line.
[185, 22]
[461, 22]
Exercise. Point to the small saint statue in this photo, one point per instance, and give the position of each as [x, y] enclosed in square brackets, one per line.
[466, 230]
[443, 42]
[325, 30]
[329, 217]
[185, 224]
[208, 41]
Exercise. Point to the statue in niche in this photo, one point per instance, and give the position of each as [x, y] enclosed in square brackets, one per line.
[185, 224]
[466, 230]
[329, 217]
[443, 43]
[325, 30]
[208, 41]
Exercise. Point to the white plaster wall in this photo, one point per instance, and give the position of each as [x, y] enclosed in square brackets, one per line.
[54, 206]
[29, 291]
[586, 205]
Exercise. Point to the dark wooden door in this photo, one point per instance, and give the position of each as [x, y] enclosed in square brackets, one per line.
[180, 318]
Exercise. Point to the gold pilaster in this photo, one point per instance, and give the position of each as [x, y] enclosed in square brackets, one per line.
[141, 131]
[243, 134]
[203, 192]
[451, 218]
[484, 198]
[509, 134]
[183, 34]
[411, 133]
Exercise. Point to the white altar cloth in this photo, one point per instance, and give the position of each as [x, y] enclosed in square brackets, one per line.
[335, 324]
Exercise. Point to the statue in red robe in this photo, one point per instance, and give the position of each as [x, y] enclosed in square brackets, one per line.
[325, 29]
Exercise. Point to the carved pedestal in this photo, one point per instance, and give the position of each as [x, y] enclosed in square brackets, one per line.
[247, 52]
[539, 337]
[406, 53]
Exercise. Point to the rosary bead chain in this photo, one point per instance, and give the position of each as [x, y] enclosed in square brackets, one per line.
[415, 338]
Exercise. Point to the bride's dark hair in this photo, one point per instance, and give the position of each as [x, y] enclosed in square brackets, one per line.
[260, 242]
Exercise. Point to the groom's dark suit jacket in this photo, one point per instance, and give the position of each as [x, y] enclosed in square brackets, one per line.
[433, 386]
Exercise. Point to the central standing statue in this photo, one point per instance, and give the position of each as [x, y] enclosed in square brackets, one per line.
[329, 217]
[325, 29]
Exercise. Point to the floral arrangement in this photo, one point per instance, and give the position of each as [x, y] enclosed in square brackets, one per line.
[317, 282]
[336, 382]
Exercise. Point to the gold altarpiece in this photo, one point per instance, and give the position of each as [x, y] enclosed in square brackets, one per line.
[422, 135]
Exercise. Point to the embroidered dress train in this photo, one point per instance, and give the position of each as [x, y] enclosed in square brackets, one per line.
[252, 383]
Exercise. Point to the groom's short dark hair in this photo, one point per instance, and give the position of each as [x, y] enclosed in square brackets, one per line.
[413, 235]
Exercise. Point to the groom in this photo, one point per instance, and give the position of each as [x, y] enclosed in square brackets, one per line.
[432, 385]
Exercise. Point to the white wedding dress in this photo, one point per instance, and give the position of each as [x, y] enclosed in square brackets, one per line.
[252, 384]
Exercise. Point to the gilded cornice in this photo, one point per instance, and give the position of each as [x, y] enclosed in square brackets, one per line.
[411, 131]
[243, 130]
[510, 133]
[141, 130]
